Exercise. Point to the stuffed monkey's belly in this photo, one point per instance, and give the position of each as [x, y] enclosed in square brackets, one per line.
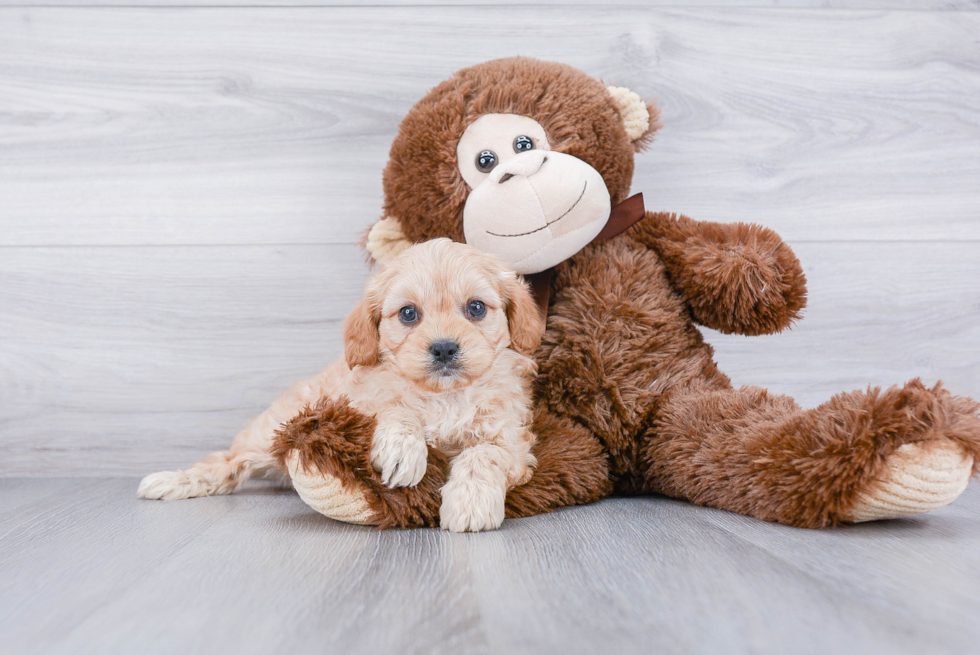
[618, 337]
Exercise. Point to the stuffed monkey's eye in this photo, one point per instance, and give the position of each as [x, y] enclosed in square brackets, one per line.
[523, 144]
[486, 160]
[408, 314]
[476, 309]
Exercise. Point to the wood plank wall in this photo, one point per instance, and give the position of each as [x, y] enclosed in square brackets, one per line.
[182, 187]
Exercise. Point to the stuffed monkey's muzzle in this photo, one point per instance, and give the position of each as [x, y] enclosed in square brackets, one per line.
[536, 209]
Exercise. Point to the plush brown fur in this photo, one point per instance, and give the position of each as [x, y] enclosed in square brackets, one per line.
[629, 397]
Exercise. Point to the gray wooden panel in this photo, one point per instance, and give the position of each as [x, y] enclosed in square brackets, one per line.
[88, 568]
[877, 314]
[110, 354]
[127, 360]
[264, 125]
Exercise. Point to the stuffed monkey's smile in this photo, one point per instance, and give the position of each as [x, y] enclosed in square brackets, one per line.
[585, 185]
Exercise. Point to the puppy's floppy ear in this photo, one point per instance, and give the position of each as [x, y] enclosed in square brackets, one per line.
[523, 317]
[361, 338]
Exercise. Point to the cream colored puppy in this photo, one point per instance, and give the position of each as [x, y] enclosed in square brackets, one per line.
[438, 352]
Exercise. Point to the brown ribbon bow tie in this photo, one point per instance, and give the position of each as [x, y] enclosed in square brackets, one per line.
[622, 217]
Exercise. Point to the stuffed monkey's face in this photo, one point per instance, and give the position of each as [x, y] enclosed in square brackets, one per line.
[531, 207]
[517, 157]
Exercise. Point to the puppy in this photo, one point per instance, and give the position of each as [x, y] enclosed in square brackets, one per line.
[438, 352]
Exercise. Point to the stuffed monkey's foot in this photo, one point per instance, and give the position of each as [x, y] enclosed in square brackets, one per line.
[933, 467]
[918, 477]
[328, 496]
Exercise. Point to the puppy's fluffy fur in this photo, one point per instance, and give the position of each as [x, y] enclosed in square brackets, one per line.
[473, 405]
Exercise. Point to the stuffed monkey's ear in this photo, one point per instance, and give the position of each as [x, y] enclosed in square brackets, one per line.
[523, 318]
[385, 240]
[639, 117]
[361, 339]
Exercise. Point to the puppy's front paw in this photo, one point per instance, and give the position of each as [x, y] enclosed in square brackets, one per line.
[400, 456]
[470, 505]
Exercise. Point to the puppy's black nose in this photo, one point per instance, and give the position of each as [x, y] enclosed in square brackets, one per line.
[444, 351]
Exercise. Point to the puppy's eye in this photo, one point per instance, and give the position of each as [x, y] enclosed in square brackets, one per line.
[476, 309]
[486, 160]
[523, 144]
[408, 314]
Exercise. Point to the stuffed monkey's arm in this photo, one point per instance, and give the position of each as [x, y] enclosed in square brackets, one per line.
[736, 278]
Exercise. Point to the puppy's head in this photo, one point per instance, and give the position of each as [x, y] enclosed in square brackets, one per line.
[439, 313]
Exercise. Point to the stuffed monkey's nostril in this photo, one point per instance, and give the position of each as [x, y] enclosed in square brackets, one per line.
[525, 164]
[507, 176]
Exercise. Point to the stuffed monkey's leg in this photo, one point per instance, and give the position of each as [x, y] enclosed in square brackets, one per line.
[326, 449]
[327, 452]
[223, 472]
[572, 469]
[860, 456]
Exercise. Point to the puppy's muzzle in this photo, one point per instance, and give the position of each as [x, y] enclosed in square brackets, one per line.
[445, 356]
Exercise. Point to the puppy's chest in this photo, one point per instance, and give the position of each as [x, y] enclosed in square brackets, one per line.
[451, 424]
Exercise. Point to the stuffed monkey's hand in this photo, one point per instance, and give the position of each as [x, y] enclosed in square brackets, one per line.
[736, 277]
[399, 453]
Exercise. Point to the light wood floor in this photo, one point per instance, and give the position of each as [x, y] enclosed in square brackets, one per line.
[86, 568]
[182, 185]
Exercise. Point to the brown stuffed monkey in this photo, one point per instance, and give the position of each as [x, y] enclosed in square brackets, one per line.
[532, 161]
